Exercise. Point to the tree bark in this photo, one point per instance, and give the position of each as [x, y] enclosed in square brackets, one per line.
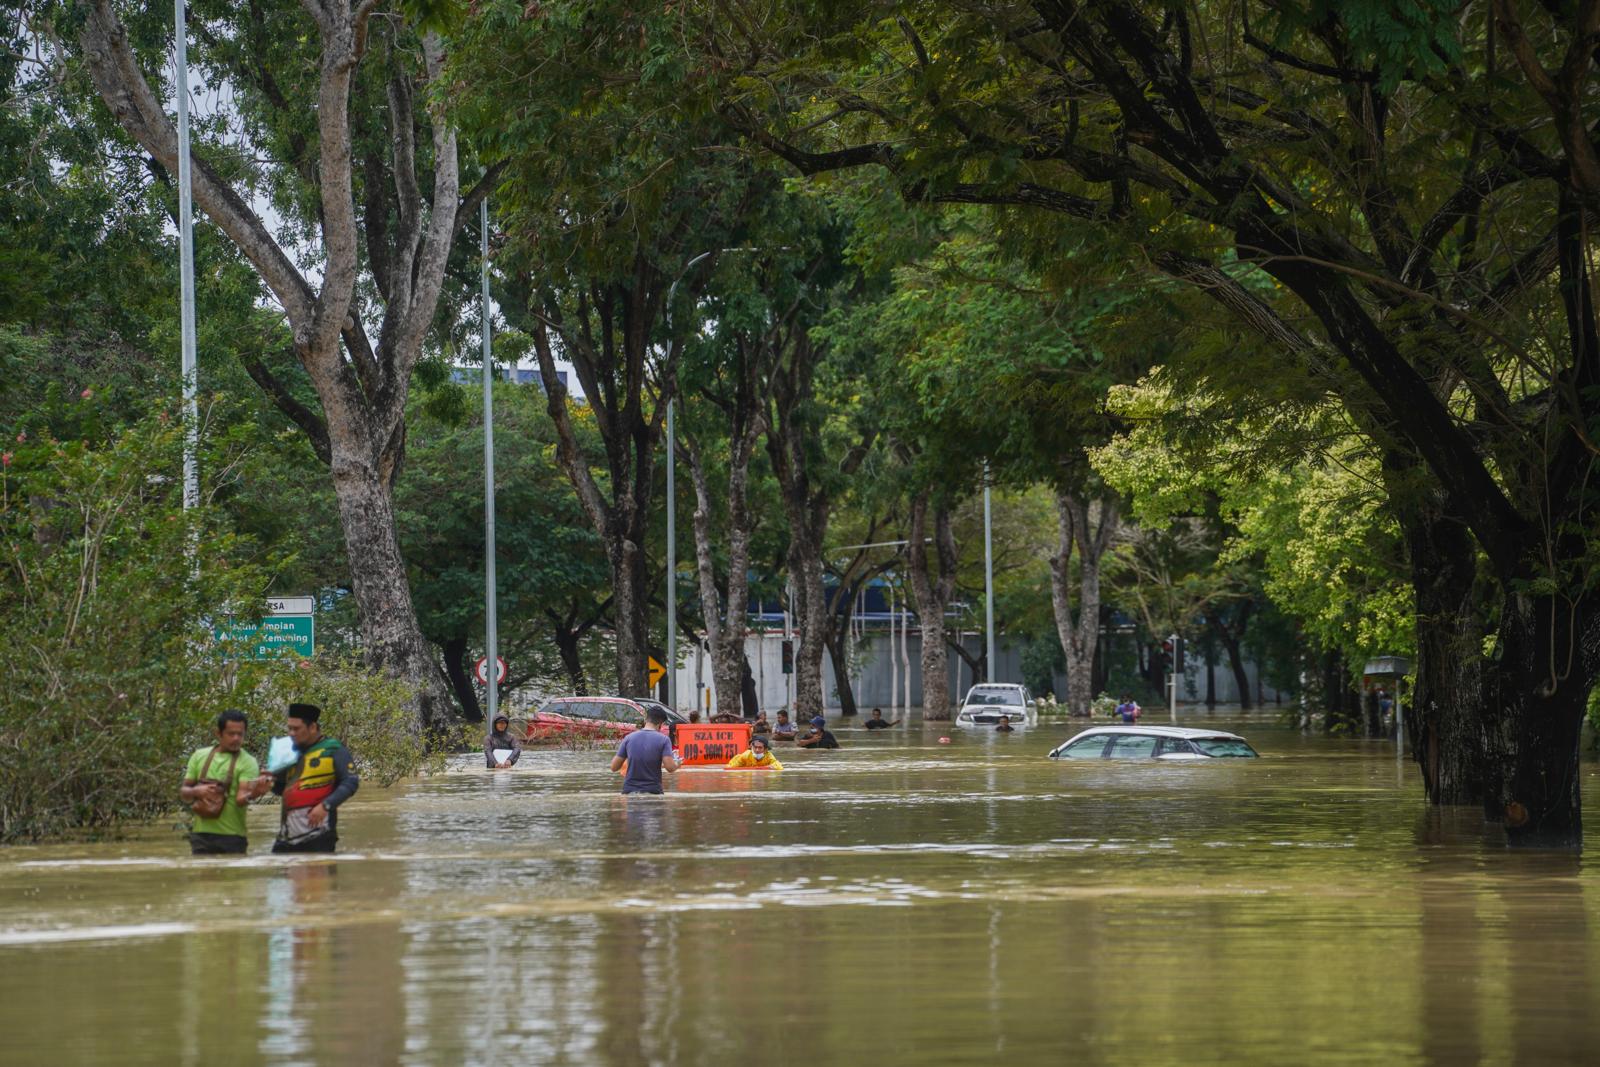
[726, 613]
[1080, 637]
[455, 668]
[932, 595]
[1231, 634]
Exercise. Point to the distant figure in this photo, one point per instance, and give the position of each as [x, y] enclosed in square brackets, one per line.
[756, 757]
[646, 753]
[1004, 725]
[694, 716]
[217, 784]
[762, 726]
[726, 717]
[818, 736]
[878, 722]
[501, 739]
[783, 729]
[1128, 710]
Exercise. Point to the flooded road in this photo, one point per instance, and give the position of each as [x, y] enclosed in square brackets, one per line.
[897, 901]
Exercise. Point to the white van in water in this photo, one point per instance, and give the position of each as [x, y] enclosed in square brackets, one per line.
[986, 704]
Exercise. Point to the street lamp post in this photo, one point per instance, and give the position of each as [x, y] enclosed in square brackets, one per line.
[988, 576]
[491, 607]
[191, 411]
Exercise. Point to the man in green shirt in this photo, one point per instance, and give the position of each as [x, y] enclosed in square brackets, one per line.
[222, 772]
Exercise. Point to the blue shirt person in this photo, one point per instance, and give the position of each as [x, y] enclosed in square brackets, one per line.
[646, 753]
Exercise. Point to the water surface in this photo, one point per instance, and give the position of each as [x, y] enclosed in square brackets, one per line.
[897, 901]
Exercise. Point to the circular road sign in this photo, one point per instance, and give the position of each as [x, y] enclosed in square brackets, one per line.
[482, 670]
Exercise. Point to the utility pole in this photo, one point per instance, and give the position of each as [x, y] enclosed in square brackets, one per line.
[191, 410]
[491, 607]
[988, 577]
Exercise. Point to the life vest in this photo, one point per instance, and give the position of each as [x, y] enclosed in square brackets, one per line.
[313, 778]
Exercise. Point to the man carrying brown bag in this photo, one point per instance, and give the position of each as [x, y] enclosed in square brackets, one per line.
[219, 781]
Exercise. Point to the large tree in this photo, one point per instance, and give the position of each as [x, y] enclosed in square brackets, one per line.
[332, 100]
[1414, 183]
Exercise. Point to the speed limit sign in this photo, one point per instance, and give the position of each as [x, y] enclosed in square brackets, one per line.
[482, 670]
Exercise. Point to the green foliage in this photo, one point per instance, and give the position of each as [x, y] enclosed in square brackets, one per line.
[369, 713]
[109, 673]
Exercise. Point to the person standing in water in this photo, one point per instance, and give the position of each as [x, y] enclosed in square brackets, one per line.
[217, 784]
[503, 740]
[878, 722]
[321, 778]
[646, 753]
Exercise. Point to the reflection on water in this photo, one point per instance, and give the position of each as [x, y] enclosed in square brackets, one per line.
[897, 901]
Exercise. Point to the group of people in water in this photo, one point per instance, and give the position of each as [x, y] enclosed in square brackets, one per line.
[644, 755]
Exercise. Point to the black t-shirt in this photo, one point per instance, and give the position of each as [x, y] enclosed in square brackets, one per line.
[877, 724]
[828, 740]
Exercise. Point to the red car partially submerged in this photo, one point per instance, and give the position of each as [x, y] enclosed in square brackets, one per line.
[595, 717]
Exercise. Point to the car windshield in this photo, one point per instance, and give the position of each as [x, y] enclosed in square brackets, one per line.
[1008, 697]
[1223, 747]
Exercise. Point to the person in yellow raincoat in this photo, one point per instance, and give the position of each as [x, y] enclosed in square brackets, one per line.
[755, 758]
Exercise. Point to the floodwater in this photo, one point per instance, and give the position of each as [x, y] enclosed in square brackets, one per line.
[897, 901]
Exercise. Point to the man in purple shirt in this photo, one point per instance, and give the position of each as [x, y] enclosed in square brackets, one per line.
[647, 753]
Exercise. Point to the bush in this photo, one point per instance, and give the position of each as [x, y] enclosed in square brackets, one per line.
[371, 714]
[109, 674]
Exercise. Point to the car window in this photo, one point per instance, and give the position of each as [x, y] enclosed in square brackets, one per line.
[1133, 747]
[584, 709]
[1174, 745]
[997, 696]
[1084, 748]
[1224, 747]
[556, 707]
[625, 713]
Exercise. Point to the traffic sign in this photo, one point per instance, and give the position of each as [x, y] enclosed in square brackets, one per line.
[657, 672]
[289, 626]
[482, 670]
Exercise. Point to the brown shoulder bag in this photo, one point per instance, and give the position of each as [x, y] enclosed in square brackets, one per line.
[206, 808]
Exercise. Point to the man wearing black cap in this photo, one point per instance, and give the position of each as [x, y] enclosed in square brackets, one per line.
[819, 735]
[313, 787]
[501, 739]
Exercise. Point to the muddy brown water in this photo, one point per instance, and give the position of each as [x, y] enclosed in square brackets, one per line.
[897, 901]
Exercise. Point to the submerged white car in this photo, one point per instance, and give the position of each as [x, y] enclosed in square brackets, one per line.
[1153, 742]
[987, 704]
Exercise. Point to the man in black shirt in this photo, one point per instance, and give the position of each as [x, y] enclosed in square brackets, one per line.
[818, 737]
[878, 722]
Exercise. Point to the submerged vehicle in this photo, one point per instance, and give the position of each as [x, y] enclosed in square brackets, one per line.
[1153, 742]
[990, 702]
[593, 717]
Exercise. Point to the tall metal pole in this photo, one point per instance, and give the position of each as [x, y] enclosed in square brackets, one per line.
[491, 607]
[988, 576]
[672, 544]
[191, 411]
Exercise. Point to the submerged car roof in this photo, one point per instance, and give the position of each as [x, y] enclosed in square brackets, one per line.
[1185, 732]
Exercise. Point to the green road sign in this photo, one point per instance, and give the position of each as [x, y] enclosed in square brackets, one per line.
[273, 636]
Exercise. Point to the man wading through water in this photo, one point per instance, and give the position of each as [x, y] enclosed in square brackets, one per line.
[219, 781]
[320, 779]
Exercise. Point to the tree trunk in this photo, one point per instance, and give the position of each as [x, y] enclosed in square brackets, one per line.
[391, 640]
[1080, 637]
[1539, 689]
[1446, 718]
[568, 645]
[838, 654]
[1211, 680]
[932, 595]
[628, 581]
[805, 562]
[726, 614]
[1230, 634]
[455, 668]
